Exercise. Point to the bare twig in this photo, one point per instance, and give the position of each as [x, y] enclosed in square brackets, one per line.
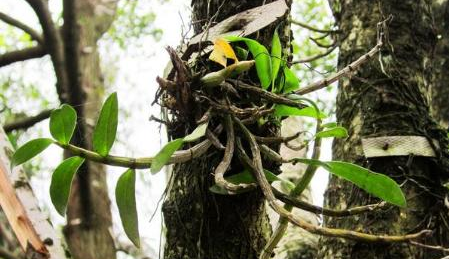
[277, 140]
[322, 45]
[439, 248]
[313, 58]
[265, 94]
[296, 202]
[27, 122]
[344, 72]
[21, 55]
[309, 27]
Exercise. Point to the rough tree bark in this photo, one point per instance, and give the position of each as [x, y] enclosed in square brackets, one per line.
[389, 102]
[89, 223]
[440, 87]
[200, 224]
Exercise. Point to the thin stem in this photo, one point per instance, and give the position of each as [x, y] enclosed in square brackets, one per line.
[296, 192]
[313, 58]
[296, 202]
[336, 232]
[266, 95]
[224, 164]
[309, 27]
[344, 72]
[180, 156]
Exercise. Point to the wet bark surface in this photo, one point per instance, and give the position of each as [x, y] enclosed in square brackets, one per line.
[388, 98]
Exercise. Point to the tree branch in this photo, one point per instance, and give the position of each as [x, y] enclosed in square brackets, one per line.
[318, 56]
[27, 122]
[296, 202]
[21, 55]
[309, 27]
[344, 72]
[16, 23]
[54, 46]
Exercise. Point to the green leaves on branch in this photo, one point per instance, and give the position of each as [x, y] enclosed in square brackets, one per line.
[271, 67]
[260, 55]
[61, 182]
[276, 57]
[62, 123]
[106, 128]
[125, 196]
[373, 183]
[30, 150]
[164, 155]
[285, 110]
[335, 132]
[291, 82]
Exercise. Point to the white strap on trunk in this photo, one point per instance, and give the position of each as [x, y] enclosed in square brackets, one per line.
[397, 146]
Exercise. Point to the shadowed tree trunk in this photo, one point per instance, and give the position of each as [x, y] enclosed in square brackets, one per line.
[440, 88]
[89, 223]
[199, 223]
[388, 100]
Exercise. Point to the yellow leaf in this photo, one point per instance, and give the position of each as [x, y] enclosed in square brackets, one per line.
[222, 51]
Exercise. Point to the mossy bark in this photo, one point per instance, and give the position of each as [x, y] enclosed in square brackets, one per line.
[388, 97]
[200, 224]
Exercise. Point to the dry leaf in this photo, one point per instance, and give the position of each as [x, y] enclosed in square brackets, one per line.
[222, 51]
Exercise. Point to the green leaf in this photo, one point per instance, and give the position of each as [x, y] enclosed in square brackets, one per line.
[246, 177]
[373, 183]
[29, 150]
[291, 81]
[285, 110]
[329, 125]
[261, 56]
[241, 53]
[62, 123]
[276, 55]
[125, 196]
[164, 154]
[61, 182]
[336, 132]
[197, 133]
[106, 128]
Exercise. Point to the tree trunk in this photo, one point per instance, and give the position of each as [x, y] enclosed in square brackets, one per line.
[199, 223]
[89, 223]
[440, 88]
[388, 100]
